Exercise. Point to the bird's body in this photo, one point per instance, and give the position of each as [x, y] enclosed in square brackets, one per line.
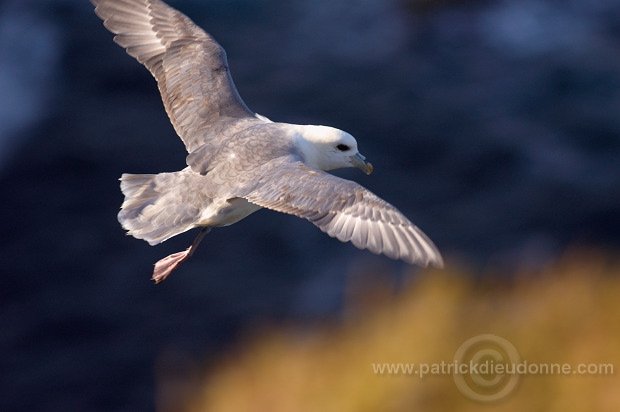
[239, 161]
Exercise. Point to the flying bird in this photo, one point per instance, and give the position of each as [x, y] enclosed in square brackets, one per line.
[240, 161]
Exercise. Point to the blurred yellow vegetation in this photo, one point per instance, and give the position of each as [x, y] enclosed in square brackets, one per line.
[566, 313]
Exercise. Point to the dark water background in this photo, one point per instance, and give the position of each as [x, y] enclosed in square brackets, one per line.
[493, 125]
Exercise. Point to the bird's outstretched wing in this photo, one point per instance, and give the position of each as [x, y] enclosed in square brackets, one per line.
[345, 210]
[190, 66]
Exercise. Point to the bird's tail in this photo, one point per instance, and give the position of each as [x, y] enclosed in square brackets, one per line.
[158, 207]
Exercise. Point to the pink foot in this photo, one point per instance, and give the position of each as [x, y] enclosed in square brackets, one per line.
[167, 265]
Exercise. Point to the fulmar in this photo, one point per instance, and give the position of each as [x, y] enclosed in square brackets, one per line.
[240, 161]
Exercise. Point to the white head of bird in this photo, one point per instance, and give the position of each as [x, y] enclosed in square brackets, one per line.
[327, 148]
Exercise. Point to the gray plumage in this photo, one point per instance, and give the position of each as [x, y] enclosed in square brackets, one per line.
[239, 161]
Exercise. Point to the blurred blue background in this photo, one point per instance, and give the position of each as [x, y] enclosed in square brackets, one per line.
[493, 125]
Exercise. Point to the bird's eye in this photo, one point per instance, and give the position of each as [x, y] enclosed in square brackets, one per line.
[342, 147]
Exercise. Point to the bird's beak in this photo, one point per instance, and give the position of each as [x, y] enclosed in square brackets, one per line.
[360, 162]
